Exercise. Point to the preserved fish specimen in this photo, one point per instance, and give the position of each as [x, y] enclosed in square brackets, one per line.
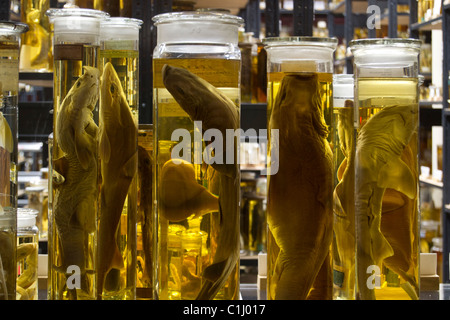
[26, 282]
[36, 48]
[203, 102]
[300, 213]
[380, 145]
[181, 195]
[76, 190]
[118, 154]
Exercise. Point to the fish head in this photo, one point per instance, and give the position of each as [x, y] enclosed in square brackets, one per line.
[300, 99]
[84, 93]
[185, 87]
[112, 95]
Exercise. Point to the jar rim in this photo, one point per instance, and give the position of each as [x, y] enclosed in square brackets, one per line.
[13, 27]
[300, 40]
[76, 12]
[386, 42]
[122, 21]
[195, 16]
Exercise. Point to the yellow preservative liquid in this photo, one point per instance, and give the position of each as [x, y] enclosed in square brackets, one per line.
[185, 248]
[396, 274]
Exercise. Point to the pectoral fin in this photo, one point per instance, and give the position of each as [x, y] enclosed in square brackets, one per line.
[395, 174]
[104, 147]
[129, 169]
[81, 148]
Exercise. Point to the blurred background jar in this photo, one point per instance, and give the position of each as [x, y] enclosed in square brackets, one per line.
[36, 50]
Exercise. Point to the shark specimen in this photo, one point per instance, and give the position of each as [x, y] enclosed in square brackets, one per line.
[118, 156]
[299, 207]
[379, 166]
[204, 102]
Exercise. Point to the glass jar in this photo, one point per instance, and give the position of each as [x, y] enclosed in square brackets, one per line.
[145, 230]
[9, 87]
[299, 196]
[75, 168]
[116, 245]
[197, 58]
[36, 46]
[386, 168]
[27, 254]
[343, 182]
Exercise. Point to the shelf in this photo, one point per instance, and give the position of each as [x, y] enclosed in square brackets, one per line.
[39, 79]
[431, 182]
[432, 24]
[359, 6]
[402, 19]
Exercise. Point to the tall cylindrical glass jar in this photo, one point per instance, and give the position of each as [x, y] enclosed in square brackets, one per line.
[299, 199]
[116, 246]
[386, 168]
[36, 49]
[145, 230]
[27, 254]
[75, 168]
[196, 81]
[343, 248]
[9, 89]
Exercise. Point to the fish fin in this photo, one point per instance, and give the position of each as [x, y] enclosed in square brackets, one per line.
[117, 260]
[104, 146]
[381, 247]
[129, 169]
[81, 148]
[86, 214]
[212, 275]
[395, 174]
[60, 168]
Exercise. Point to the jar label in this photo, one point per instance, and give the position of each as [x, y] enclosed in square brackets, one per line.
[68, 52]
[9, 74]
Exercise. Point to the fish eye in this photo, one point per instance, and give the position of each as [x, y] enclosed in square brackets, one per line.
[78, 84]
[112, 89]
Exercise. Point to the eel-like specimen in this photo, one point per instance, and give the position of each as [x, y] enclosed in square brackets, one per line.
[203, 102]
[343, 196]
[181, 194]
[380, 144]
[39, 37]
[26, 282]
[118, 155]
[76, 191]
[145, 170]
[299, 206]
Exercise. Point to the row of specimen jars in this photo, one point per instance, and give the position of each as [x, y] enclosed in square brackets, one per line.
[36, 49]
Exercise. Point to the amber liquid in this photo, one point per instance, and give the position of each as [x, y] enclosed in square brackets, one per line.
[144, 244]
[274, 85]
[187, 247]
[36, 49]
[67, 71]
[399, 273]
[126, 64]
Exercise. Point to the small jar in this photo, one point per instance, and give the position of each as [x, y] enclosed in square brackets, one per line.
[27, 254]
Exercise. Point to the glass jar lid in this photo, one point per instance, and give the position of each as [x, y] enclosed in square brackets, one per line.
[300, 40]
[12, 27]
[26, 217]
[76, 12]
[386, 42]
[197, 16]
